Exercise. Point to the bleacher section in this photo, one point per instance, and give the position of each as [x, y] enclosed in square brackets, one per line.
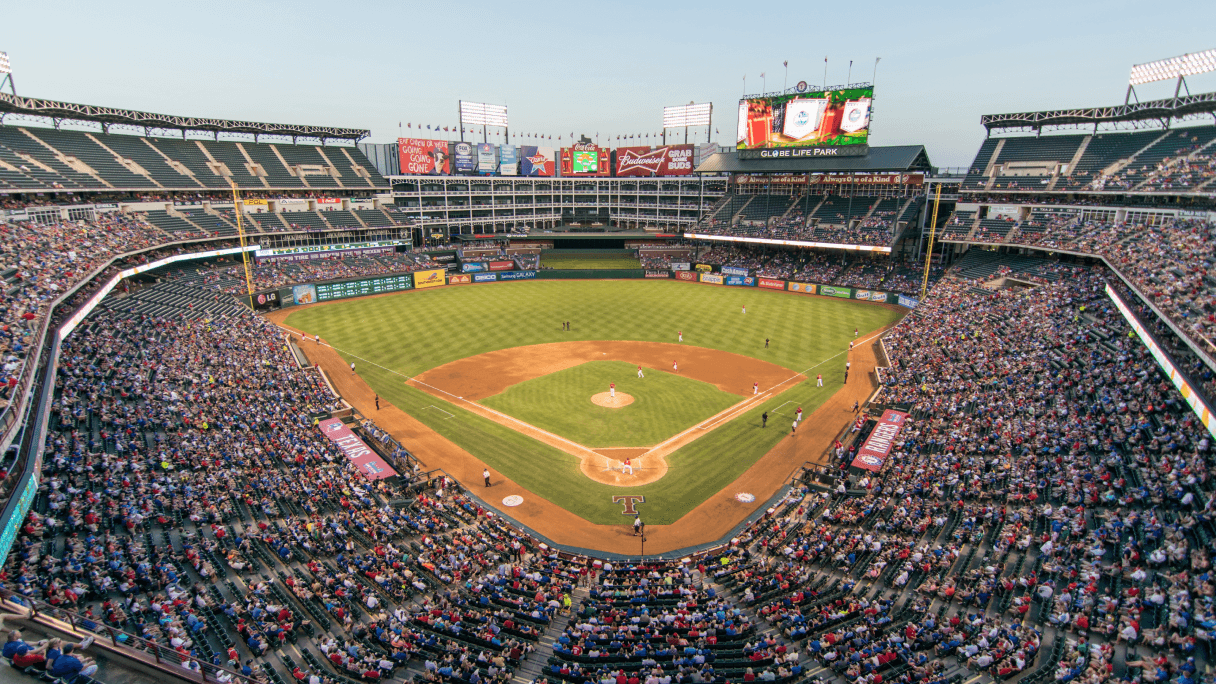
[838, 210]
[1175, 144]
[171, 224]
[994, 229]
[975, 179]
[339, 218]
[731, 207]
[209, 222]
[764, 207]
[46, 158]
[959, 225]
[374, 218]
[1103, 151]
[304, 220]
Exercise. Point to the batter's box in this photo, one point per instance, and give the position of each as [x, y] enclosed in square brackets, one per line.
[433, 407]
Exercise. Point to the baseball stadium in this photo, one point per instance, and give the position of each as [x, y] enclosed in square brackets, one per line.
[481, 405]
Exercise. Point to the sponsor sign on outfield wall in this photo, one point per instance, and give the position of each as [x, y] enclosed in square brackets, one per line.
[904, 300]
[712, 278]
[881, 441]
[681, 266]
[772, 284]
[517, 275]
[459, 279]
[658, 274]
[432, 278]
[365, 459]
[733, 270]
[485, 277]
[739, 280]
[304, 294]
[808, 288]
[686, 275]
[671, 160]
[704, 268]
[831, 291]
[501, 265]
[472, 267]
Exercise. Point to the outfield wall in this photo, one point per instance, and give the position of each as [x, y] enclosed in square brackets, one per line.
[313, 293]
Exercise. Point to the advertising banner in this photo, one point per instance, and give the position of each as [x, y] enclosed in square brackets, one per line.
[772, 284]
[329, 202]
[672, 160]
[686, 275]
[680, 266]
[740, 280]
[304, 294]
[419, 156]
[808, 288]
[508, 160]
[865, 295]
[432, 278]
[517, 275]
[733, 270]
[472, 267]
[829, 291]
[658, 274]
[255, 202]
[265, 300]
[485, 277]
[881, 441]
[796, 179]
[536, 161]
[464, 157]
[711, 278]
[868, 179]
[805, 124]
[586, 159]
[501, 265]
[907, 301]
[786, 243]
[365, 459]
[705, 268]
[459, 279]
[487, 160]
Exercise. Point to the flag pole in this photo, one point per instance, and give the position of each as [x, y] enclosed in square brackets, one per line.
[785, 81]
[825, 73]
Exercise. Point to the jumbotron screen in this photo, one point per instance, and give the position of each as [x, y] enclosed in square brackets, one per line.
[585, 161]
[813, 124]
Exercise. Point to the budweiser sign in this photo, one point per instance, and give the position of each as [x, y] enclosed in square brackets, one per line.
[671, 160]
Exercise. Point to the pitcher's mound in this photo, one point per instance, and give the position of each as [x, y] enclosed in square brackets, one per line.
[621, 399]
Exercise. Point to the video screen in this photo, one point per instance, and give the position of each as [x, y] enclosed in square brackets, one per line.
[833, 118]
[585, 161]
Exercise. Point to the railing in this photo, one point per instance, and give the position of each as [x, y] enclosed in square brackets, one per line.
[126, 643]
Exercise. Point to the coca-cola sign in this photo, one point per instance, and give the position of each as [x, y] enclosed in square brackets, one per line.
[671, 160]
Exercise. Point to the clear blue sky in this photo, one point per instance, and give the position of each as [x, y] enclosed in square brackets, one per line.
[588, 67]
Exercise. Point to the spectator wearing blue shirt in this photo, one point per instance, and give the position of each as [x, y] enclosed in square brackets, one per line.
[68, 665]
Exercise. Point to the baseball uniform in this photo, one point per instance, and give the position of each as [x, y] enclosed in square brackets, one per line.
[612, 391]
[640, 372]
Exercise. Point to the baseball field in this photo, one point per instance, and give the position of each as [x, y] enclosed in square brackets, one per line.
[492, 369]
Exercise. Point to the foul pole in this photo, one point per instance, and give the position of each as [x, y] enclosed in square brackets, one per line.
[240, 231]
[937, 200]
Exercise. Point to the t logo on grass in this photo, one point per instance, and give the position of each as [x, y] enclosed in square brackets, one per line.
[629, 500]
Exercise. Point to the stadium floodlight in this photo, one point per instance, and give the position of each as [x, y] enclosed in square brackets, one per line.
[1175, 67]
[5, 67]
[688, 115]
[481, 114]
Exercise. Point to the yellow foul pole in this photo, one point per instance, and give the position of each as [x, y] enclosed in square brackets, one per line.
[240, 231]
[937, 200]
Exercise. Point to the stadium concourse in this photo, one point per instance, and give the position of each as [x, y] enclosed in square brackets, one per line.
[1046, 514]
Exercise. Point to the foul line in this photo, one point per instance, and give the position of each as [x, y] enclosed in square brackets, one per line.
[713, 421]
[432, 406]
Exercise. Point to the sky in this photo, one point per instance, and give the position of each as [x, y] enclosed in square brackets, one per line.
[588, 68]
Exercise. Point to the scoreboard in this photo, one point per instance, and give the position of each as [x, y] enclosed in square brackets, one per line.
[358, 288]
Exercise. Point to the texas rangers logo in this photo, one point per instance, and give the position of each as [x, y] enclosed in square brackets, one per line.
[650, 161]
[333, 426]
[540, 164]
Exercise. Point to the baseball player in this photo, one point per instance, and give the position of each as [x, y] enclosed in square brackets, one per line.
[640, 372]
[793, 430]
[798, 415]
[854, 332]
[819, 380]
[681, 334]
[744, 308]
[850, 345]
[755, 388]
[675, 368]
[627, 467]
[352, 367]
[317, 338]
[612, 390]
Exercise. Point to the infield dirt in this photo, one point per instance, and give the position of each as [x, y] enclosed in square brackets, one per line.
[709, 521]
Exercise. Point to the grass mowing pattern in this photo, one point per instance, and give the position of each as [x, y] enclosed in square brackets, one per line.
[576, 264]
[664, 404]
[414, 331]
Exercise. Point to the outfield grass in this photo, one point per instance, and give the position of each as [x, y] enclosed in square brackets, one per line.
[404, 334]
[663, 404]
[575, 264]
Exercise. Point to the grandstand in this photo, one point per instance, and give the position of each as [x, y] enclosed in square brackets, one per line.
[1044, 514]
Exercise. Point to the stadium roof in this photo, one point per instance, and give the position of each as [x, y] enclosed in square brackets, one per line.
[1152, 111]
[107, 116]
[891, 159]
